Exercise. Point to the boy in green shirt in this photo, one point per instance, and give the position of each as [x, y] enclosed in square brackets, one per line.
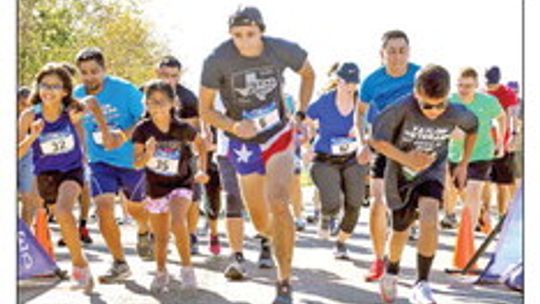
[487, 109]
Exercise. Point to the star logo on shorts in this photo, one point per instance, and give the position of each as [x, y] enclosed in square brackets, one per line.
[243, 154]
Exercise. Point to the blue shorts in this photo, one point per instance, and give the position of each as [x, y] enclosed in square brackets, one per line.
[25, 173]
[106, 178]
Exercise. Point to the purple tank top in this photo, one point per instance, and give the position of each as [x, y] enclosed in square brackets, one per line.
[58, 146]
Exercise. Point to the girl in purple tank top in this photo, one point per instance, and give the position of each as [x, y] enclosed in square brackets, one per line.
[51, 129]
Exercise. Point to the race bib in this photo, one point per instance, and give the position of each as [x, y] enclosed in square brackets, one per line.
[343, 145]
[265, 118]
[57, 143]
[98, 137]
[164, 162]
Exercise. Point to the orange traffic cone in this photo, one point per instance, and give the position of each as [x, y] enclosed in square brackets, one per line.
[464, 249]
[41, 230]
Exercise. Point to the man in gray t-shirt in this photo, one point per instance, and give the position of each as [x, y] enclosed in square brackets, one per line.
[247, 71]
[413, 134]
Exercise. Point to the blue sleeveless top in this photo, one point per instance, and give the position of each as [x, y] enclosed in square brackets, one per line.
[58, 147]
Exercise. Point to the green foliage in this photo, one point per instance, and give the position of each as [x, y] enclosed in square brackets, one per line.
[55, 30]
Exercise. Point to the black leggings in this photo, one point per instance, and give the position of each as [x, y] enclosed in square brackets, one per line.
[212, 197]
[336, 180]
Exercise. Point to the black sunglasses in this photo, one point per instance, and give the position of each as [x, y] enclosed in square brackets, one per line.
[427, 106]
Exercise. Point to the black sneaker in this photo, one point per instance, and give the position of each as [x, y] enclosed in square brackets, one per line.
[236, 270]
[449, 222]
[314, 218]
[118, 272]
[194, 244]
[340, 251]
[265, 258]
[284, 293]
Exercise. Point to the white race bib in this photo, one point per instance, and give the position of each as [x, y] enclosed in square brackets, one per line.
[57, 143]
[164, 163]
[98, 136]
[265, 118]
[343, 145]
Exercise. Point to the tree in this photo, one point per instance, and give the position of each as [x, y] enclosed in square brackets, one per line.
[55, 30]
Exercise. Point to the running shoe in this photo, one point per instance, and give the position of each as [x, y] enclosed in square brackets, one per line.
[85, 235]
[265, 258]
[145, 248]
[300, 224]
[214, 246]
[82, 279]
[376, 271]
[449, 221]
[340, 251]
[189, 281]
[421, 294]
[118, 272]
[236, 270]
[388, 288]
[283, 294]
[314, 218]
[160, 284]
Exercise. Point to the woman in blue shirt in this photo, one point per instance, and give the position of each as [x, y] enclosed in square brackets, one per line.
[335, 170]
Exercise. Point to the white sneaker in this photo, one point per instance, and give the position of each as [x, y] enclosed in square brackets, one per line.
[82, 279]
[388, 287]
[160, 284]
[421, 294]
[189, 281]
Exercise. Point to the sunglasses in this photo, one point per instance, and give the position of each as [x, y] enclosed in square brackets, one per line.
[427, 106]
[54, 87]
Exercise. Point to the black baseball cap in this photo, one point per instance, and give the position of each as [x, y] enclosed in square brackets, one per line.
[248, 15]
[349, 72]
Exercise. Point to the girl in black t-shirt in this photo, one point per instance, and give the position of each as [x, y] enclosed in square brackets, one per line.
[164, 145]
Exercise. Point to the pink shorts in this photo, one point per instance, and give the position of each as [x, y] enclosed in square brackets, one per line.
[161, 205]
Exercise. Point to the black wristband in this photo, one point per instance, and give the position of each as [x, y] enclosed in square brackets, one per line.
[301, 115]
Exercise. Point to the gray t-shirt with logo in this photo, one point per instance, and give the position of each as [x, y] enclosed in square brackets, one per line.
[404, 125]
[251, 87]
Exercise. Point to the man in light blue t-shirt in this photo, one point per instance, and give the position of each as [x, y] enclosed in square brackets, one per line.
[382, 88]
[110, 156]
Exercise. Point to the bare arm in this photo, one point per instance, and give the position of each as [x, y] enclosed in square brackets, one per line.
[25, 139]
[141, 155]
[209, 115]
[470, 140]
[390, 151]
[200, 147]
[307, 83]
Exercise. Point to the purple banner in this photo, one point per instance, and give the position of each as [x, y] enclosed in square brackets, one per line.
[33, 260]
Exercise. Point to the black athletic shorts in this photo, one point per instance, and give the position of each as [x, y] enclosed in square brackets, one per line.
[404, 217]
[477, 171]
[49, 182]
[503, 169]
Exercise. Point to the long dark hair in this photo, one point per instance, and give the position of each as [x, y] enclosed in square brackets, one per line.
[163, 87]
[59, 70]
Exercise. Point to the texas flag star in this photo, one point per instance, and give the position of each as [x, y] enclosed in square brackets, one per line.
[243, 154]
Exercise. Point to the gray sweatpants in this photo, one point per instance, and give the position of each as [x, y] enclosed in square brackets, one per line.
[335, 181]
